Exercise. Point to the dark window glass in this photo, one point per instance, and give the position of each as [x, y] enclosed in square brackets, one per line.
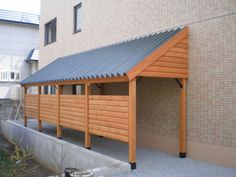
[53, 90]
[51, 31]
[45, 90]
[77, 18]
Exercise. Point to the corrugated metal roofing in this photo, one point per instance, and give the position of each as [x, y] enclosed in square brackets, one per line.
[19, 17]
[109, 61]
[33, 55]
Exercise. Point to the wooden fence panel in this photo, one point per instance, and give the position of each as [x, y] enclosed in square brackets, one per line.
[48, 108]
[108, 116]
[31, 105]
[72, 111]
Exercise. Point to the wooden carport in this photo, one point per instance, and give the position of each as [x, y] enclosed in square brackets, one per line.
[112, 116]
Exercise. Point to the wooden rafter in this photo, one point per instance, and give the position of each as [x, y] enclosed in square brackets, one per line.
[89, 81]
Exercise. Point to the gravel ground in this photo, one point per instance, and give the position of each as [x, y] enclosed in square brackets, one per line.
[149, 163]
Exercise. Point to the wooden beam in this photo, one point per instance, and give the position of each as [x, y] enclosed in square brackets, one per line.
[58, 93]
[25, 117]
[182, 128]
[39, 119]
[87, 134]
[132, 123]
[84, 81]
[157, 54]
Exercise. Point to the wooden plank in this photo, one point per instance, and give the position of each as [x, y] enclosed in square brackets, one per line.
[51, 121]
[98, 80]
[48, 114]
[87, 134]
[108, 119]
[31, 100]
[170, 64]
[79, 114]
[109, 103]
[185, 41]
[166, 70]
[46, 109]
[68, 121]
[69, 117]
[72, 97]
[164, 75]
[72, 109]
[108, 124]
[109, 108]
[108, 97]
[31, 107]
[176, 55]
[74, 105]
[49, 106]
[109, 113]
[109, 135]
[173, 60]
[109, 129]
[178, 50]
[157, 54]
[182, 129]
[132, 121]
[182, 45]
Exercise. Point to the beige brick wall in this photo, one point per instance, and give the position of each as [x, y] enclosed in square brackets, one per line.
[211, 98]
[105, 22]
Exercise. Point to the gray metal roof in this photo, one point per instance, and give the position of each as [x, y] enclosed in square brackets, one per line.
[33, 55]
[109, 61]
[19, 17]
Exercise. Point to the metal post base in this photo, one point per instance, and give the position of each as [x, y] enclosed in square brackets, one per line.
[133, 166]
[182, 154]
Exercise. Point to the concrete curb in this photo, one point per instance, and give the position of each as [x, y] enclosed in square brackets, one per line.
[57, 154]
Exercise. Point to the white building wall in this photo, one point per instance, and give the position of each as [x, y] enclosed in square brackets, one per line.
[17, 40]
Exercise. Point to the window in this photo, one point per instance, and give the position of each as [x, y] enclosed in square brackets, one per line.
[50, 31]
[52, 90]
[9, 76]
[3, 76]
[77, 18]
[14, 76]
[45, 90]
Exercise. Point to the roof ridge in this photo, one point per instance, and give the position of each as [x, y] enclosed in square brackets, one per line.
[19, 12]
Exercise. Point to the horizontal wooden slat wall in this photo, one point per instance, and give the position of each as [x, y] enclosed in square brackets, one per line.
[31, 102]
[48, 108]
[108, 116]
[173, 64]
[72, 111]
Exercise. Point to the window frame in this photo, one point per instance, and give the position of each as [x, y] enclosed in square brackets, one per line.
[46, 26]
[6, 76]
[78, 6]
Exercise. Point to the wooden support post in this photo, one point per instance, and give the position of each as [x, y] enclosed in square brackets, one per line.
[182, 128]
[87, 134]
[39, 119]
[25, 116]
[132, 123]
[58, 93]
